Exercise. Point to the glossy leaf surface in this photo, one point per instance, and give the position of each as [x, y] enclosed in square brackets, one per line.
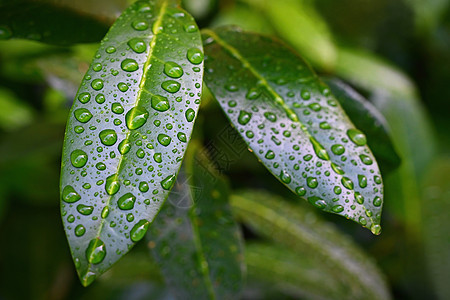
[49, 23]
[293, 124]
[320, 244]
[127, 132]
[365, 116]
[195, 239]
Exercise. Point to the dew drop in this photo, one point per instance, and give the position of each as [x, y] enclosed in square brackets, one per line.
[84, 97]
[366, 159]
[357, 137]
[337, 208]
[270, 154]
[69, 194]
[139, 25]
[160, 103]
[108, 137]
[97, 84]
[376, 229]
[129, 65]
[359, 198]
[138, 45]
[337, 149]
[377, 201]
[96, 251]
[270, 116]
[83, 115]
[319, 150]
[347, 183]
[171, 86]
[136, 117]
[172, 69]
[312, 182]
[182, 137]
[85, 209]
[124, 147]
[362, 180]
[78, 158]
[285, 177]
[117, 108]
[244, 117]
[194, 55]
[168, 182]
[138, 231]
[301, 191]
[126, 202]
[100, 98]
[112, 185]
[122, 86]
[143, 186]
[253, 93]
[110, 49]
[80, 230]
[190, 114]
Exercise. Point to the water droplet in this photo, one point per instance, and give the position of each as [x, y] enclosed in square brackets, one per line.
[376, 229]
[249, 134]
[312, 182]
[305, 94]
[347, 183]
[160, 103]
[244, 117]
[357, 137]
[194, 55]
[182, 137]
[270, 116]
[85, 209]
[315, 106]
[324, 125]
[359, 198]
[362, 221]
[337, 208]
[157, 157]
[126, 202]
[83, 115]
[366, 159]
[140, 153]
[337, 190]
[110, 49]
[319, 150]
[253, 93]
[69, 194]
[129, 65]
[337, 169]
[97, 67]
[112, 184]
[171, 86]
[97, 84]
[138, 231]
[80, 230]
[168, 182]
[337, 149]
[190, 114]
[377, 201]
[189, 28]
[172, 69]
[138, 45]
[105, 212]
[362, 180]
[78, 129]
[117, 108]
[285, 177]
[301, 191]
[139, 25]
[136, 117]
[270, 154]
[124, 147]
[100, 98]
[122, 86]
[108, 137]
[143, 186]
[78, 158]
[84, 97]
[96, 251]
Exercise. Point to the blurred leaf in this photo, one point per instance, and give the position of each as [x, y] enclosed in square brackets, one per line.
[302, 26]
[291, 121]
[436, 234]
[365, 116]
[140, 105]
[48, 23]
[428, 13]
[13, 112]
[195, 239]
[302, 232]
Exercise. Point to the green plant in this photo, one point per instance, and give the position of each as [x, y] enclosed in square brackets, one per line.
[133, 161]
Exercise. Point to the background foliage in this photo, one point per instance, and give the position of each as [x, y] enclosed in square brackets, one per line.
[395, 53]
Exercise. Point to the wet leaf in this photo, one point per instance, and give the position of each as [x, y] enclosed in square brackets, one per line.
[127, 132]
[315, 243]
[365, 116]
[293, 124]
[195, 239]
[49, 23]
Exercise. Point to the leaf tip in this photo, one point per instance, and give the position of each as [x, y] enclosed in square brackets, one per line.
[87, 278]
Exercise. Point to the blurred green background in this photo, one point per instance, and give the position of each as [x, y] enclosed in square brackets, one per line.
[395, 52]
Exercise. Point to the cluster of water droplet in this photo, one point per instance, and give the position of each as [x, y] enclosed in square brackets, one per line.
[293, 124]
[132, 119]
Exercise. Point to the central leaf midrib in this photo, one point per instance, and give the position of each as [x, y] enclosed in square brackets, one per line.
[138, 97]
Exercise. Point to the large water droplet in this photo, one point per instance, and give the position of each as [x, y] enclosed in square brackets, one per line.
[126, 202]
[100, 98]
[160, 103]
[124, 147]
[347, 183]
[78, 158]
[84, 97]
[270, 116]
[182, 137]
[108, 137]
[270, 154]
[285, 177]
[195, 56]
[79, 230]
[139, 25]
[168, 182]
[138, 231]
[312, 182]
[136, 117]
[96, 251]
[362, 180]
[171, 86]
[112, 184]
[117, 108]
[190, 114]
[172, 69]
[138, 45]
[366, 159]
[376, 229]
[377, 201]
[164, 139]
[97, 84]
[69, 194]
[244, 117]
[83, 115]
[337, 149]
[319, 150]
[337, 208]
[129, 65]
[85, 209]
[357, 137]
[253, 93]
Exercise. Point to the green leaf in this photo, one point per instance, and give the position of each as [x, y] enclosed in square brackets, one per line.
[293, 124]
[365, 116]
[195, 239]
[127, 132]
[49, 23]
[301, 231]
[298, 23]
